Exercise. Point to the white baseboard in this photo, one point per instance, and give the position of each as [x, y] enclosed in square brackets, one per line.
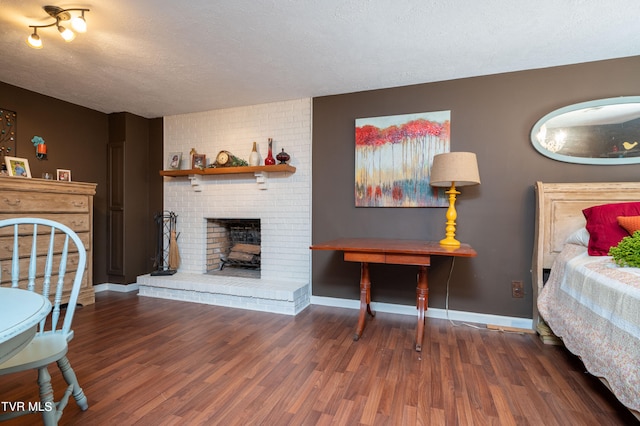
[122, 288]
[462, 316]
[473, 317]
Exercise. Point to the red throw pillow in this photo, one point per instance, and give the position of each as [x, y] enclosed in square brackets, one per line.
[603, 227]
[630, 223]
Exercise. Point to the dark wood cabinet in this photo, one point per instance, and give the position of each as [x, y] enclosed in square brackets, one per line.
[134, 150]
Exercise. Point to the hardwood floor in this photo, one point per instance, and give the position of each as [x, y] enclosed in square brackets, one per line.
[160, 362]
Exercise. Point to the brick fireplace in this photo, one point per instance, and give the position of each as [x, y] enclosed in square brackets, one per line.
[282, 209]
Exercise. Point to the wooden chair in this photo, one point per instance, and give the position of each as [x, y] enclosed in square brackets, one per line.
[54, 258]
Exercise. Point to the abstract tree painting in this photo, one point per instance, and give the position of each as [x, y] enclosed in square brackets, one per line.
[394, 156]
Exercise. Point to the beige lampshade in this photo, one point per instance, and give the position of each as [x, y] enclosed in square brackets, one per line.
[455, 168]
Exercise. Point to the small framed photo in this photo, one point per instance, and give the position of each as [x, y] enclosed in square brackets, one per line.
[17, 166]
[199, 161]
[63, 175]
[173, 161]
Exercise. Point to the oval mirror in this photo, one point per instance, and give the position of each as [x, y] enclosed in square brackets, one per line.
[604, 131]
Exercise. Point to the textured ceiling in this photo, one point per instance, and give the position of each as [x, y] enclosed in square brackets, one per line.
[156, 58]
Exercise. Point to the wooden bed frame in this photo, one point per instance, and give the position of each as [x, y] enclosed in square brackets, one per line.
[558, 215]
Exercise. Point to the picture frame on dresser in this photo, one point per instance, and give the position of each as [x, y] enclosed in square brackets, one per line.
[63, 175]
[17, 166]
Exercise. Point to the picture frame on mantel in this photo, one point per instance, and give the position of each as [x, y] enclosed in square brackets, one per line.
[174, 161]
[199, 161]
[17, 166]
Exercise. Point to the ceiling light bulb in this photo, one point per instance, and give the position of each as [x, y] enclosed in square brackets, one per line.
[66, 33]
[79, 24]
[34, 41]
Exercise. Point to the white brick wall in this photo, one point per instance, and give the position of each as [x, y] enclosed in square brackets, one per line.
[284, 208]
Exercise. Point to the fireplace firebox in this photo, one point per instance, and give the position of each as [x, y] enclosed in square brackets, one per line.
[233, 247]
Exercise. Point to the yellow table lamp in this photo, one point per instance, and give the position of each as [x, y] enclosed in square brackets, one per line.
[448, 170]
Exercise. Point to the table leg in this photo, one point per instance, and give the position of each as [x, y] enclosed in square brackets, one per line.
[365, 299]
[422, 299]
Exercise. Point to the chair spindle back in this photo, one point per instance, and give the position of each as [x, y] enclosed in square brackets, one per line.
[39, 274]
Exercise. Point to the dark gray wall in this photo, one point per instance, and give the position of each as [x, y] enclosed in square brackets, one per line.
[77, 139]
[491, 116]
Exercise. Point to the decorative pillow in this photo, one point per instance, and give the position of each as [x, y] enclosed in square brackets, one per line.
[603, 227]
[579, 238]
[630, 223]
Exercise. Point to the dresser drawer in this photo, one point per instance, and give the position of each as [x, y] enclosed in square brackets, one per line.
[77, 222]
[72, 266]
[25, 243]
[19, 202]
[86, 296]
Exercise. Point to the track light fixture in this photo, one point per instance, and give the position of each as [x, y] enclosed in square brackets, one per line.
[78, 24]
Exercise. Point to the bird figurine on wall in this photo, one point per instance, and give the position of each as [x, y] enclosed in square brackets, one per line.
[41, 147]
[629, 145]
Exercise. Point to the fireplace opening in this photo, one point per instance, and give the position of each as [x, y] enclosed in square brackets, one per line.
[233, 247]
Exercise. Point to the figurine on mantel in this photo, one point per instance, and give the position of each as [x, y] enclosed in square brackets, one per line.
[283, 157]
[191, 154]
[227, 159]
[254, 157]
[270, 161]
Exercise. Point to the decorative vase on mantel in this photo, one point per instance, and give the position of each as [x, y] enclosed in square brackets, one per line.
[254, 157]
[270, 161]
[283, 157]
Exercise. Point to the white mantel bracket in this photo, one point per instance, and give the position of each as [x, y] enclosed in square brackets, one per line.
[261, 180]
[196, 180]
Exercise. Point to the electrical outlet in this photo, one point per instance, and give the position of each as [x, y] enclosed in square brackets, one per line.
[517, 289]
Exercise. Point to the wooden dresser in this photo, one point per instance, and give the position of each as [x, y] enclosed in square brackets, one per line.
[70, 203]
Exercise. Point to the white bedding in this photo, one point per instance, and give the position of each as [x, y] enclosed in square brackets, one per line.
[594, 306]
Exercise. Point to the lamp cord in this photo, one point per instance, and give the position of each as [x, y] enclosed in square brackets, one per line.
[446, 302]
[446, 306]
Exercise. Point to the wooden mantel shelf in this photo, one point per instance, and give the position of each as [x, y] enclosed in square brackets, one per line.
[229, 170]
[260, 173]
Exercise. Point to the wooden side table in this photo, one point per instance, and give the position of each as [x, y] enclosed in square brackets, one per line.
[397, 252]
